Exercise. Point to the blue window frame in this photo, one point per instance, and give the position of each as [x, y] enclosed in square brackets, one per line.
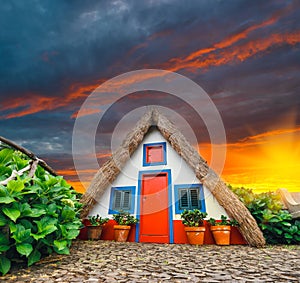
[154, 154]
[189, 196]
[121, 199]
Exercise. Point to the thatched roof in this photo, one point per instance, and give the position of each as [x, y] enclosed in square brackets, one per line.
[110, 170]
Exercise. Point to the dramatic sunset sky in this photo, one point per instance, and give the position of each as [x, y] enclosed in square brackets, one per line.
[244, 54]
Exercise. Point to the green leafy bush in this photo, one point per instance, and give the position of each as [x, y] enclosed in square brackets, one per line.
[276, 223]
[38, 214]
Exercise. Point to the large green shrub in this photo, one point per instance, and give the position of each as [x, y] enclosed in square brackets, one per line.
[276, 223]
[38, 214]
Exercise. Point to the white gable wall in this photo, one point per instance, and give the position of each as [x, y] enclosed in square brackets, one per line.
[181, 173]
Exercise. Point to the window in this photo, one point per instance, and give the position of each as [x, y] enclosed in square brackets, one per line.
[189, 197]
[121, 199]
[154, 154]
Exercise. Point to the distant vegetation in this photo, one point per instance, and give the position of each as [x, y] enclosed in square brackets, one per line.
[276, 223]
[39, 212]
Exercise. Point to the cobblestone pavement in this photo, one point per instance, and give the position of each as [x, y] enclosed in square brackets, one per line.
[105, 261]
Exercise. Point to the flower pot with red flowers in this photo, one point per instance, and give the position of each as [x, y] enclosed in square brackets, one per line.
[221, 229]
[193, 222]
[124, 222]
[94, 229]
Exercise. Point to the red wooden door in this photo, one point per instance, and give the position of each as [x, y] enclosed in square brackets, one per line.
[154, 216]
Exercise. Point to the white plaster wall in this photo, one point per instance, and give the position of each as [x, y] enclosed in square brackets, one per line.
[180, 171]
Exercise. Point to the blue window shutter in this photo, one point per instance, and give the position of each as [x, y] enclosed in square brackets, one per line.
[126, 200]
[194, 198]
[183, 199]
[117, 205]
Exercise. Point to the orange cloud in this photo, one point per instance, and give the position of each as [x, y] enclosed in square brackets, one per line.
[33, 103]
[73, 172]
[67, 172]
[103, 155]
[119, 84]
[213, 57]
[230, 40]
[85, 112]
[30, 104]
[270, 134]
[220, 53]
[71, 175]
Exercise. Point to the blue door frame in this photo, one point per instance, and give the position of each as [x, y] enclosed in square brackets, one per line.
[148, 172]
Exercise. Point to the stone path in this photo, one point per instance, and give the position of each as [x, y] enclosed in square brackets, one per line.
[105, 261]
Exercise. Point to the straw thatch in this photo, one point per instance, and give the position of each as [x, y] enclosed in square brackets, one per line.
[110, 170]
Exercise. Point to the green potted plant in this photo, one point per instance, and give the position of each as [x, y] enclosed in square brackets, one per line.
[193, 222]
[124, 222]
[221, 229]
[95, 225]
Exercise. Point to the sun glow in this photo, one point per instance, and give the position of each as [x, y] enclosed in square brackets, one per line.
[79, 186]
[265, 162]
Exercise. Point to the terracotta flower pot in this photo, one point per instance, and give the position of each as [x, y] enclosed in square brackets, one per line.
[94, 232]
[195, 235]
[221, 234]
[121, 232]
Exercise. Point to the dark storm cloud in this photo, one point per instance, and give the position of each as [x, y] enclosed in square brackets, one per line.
[48, 45]
[40, 133]
[54, 53]
[252, 95]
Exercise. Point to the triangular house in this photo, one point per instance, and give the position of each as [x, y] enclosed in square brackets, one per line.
[156, 153]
